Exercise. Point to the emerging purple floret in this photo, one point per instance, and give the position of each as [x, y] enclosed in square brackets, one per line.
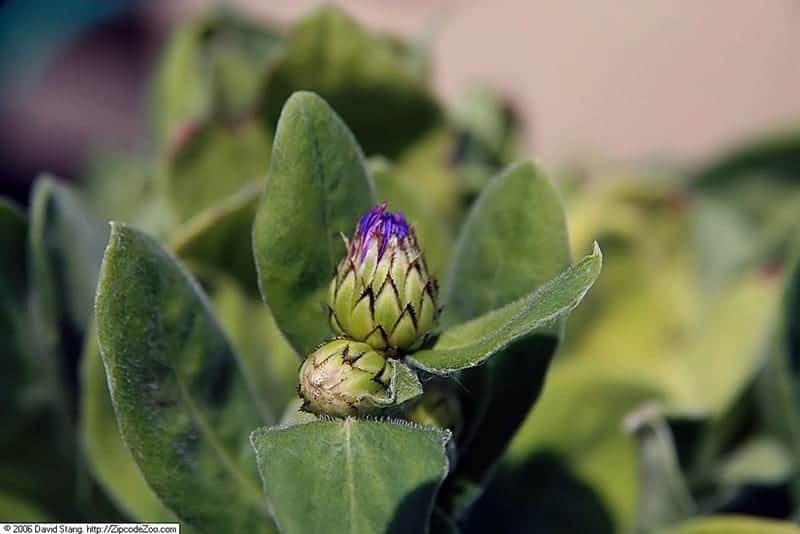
[382, 293]
[381, 224]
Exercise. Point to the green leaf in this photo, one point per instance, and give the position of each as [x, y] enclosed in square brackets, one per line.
[109, 459]
[404, 385]
[495, 263]
[758, 461]
[732, 525]
[351, 475]
[14, 279]
[704, 347]
[268, 360]
[14, 377]
[778, 154]
[778, 387]
[13, 509]
[118, 184]
[756, 184]
[220, 236]
[571, 429]
[66, 247]
[211, 161]
[212, 67]
[317, 188]
[181, 399]
[664, 495]
[364, 77]
[474, 342]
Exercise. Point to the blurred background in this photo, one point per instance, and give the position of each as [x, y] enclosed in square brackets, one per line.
[628, 80]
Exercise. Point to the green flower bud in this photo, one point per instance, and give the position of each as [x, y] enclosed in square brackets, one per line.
[438, 407]
[343, 377]
[382, 293]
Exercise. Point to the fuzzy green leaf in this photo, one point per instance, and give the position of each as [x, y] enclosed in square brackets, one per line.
[495, 263]
[111, 462]
[351, 476]
[474, 342]
[513, 241]
[181, 399]
[317, 188]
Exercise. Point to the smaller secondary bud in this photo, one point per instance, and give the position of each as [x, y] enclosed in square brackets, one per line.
[382, 293]
[342, 378]
[438, 407]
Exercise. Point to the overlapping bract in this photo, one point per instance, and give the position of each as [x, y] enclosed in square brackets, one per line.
[343, 377]
[382, 293]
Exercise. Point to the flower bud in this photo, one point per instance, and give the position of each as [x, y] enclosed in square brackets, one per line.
[343, 377]
[438, 407]
[382, 293]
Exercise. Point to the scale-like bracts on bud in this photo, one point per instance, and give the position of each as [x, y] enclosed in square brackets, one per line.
[382, 293]
[342, 378]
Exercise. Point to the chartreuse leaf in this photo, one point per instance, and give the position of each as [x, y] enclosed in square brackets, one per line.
[13, 509]
[496, 262]
[181, 399]
[109, 459]
[317, 188]
[474, 342]
[572, 448]
[364, 77]
[758, 461]
[712, 344]
[357, 476]
[732, 525]
[66, 247]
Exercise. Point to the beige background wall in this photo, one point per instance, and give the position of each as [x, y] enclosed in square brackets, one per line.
[625, 78]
